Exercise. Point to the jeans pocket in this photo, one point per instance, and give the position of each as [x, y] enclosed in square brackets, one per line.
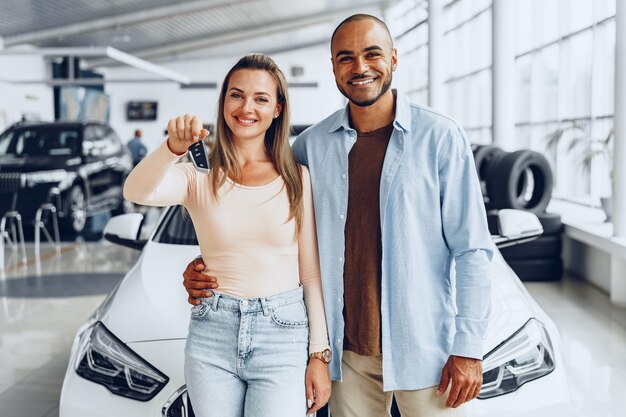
[199, 311]
[291, 315]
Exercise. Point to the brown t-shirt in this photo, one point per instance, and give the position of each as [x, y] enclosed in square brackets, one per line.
[363, 255]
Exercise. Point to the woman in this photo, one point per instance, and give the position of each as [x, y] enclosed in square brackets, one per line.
[246, 352]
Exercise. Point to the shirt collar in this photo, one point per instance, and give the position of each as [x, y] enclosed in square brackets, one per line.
[342, 121]
[403, 112]
[402, 120]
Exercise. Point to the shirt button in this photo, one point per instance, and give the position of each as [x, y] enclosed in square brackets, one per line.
[338, 340]
[341, 216]
[343, 176]
[244, 302]
[340, 259]
[339, 300]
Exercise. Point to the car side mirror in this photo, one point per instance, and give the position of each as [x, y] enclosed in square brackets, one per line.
[125, 230]
[517, 226]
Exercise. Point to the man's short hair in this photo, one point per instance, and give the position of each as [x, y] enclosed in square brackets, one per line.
[138, 133]
[357, 17]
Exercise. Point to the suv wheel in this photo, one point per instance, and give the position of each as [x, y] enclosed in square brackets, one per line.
[76, 210]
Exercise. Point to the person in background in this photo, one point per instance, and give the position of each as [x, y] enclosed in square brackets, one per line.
[136, 147]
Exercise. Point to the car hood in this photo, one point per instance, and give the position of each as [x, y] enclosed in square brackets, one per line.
[511, 304]
[36, 163]
[151, 302]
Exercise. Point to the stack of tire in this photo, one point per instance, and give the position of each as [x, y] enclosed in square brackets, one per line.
[522, 180]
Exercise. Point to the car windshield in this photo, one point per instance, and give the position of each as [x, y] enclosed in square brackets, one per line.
[40, 141]
[176, 228]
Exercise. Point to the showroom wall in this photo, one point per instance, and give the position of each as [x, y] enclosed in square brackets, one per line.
[35, 101]
[309, 104]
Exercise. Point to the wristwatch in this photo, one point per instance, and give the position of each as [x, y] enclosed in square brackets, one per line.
[325, 356]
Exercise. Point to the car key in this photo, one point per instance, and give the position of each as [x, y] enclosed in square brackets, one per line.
[199, 156]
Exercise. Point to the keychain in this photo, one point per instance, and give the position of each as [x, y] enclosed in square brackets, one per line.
[199, 156]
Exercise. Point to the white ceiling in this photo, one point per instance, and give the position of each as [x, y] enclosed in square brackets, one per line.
[160, 30]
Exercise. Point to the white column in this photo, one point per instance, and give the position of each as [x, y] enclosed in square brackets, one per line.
[618, 265]
[436, 56]
[619, 151]
[618, 281]
[503, 74]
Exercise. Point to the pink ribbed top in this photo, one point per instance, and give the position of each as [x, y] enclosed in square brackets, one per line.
[244, 238]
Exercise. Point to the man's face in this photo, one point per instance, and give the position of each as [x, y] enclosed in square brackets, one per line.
[363, 60]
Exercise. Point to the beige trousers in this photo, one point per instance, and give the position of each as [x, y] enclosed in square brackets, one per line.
[361, 394]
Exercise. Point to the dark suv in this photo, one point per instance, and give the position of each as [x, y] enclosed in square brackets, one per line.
[80, 167]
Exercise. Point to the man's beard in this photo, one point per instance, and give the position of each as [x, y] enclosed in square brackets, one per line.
[369, 102]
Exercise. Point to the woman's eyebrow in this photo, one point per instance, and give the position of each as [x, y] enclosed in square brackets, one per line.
[258, 93]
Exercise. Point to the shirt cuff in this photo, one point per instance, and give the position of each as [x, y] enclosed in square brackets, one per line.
[467, 346]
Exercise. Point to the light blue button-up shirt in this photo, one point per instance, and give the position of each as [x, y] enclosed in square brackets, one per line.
[437, 248]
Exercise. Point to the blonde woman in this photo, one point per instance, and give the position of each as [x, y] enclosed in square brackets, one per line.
[248, 344]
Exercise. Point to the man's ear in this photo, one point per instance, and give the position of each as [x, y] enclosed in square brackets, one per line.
[394, 59]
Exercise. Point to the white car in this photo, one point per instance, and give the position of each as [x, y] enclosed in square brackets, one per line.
[127, 359]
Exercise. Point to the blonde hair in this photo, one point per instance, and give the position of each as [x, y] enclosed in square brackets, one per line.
[223, 156]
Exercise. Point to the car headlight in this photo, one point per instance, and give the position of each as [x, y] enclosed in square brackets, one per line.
[45, 177]
[527, 355]
[106, 360]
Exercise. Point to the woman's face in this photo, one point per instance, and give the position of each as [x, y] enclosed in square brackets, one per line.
[251, 103]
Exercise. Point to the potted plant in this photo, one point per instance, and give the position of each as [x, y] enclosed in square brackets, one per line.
[590, 149]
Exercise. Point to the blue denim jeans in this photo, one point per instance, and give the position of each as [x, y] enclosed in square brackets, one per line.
[247, 357]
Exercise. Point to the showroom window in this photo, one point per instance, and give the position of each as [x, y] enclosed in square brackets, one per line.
[565, 72]
[408, 23]
[467, 40]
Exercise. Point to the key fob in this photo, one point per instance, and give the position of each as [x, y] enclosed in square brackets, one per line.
[199, 156]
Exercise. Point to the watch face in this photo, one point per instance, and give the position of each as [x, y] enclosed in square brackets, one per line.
[327, 355]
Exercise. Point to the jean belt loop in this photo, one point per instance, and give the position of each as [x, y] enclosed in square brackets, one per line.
[266, 311]
[216, 297]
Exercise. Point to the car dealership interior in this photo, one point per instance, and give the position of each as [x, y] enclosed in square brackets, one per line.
[94, 316]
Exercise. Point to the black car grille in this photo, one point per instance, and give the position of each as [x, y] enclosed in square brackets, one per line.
[179, 406]
[11, 181]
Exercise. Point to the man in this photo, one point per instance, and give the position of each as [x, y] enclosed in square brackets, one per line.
[137, 149]
[401, 319]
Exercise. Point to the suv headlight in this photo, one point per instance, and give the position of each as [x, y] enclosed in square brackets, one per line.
[106, 360]
[527, 355]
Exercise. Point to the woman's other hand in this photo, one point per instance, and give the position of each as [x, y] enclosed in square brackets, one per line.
[183, 131]
[318, 385]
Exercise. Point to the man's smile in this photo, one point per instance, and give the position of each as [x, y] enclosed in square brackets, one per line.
[361, 82]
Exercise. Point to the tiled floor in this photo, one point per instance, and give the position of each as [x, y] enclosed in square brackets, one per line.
[36, 332]
[593, 334]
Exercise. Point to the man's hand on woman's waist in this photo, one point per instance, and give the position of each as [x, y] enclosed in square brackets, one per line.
[196, 282]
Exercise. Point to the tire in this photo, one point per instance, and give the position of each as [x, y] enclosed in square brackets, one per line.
[551, 223]
[508, 179]
[492, 222]
[538, 269]
[544, 247]
[75, 209]
[483, 157]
